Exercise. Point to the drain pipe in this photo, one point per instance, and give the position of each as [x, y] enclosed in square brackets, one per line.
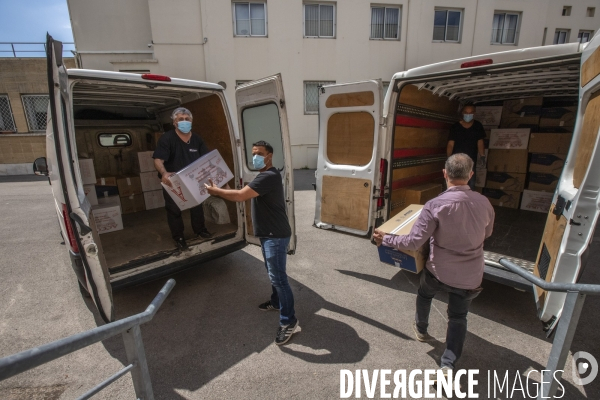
[474, 28]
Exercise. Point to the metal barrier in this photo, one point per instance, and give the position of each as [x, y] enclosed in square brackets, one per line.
[565, 331]
[134, 347]
[38, 48]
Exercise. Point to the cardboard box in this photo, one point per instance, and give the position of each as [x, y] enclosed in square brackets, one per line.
[105, 191]
[88, 173]
[150, 181]
[109, 201]
[107, 181]
[547, 163]
[522, 107]
[480, 176]
[154, 199]
[502, 198]
[489, 115]
[90, 193]
[543, 182]
[554, 143]
[558, 116]
[536, 201]
[188, 188]
[509, 139]
[133, 203]
[507, 161]
[418, 194]
[108, 218]
[401, 224]
[129, 185]
[531, 122]
[506, 181]
[145, 161]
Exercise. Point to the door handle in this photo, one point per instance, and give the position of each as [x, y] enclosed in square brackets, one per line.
[82, 226]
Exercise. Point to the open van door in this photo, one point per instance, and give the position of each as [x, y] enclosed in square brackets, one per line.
[573, 215]
[75, 212]
[262, 115]
[348, 166]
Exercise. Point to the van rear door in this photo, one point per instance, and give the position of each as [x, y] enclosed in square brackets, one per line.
[262, 115]
[574, 212]
[348, 166]
[82, 235]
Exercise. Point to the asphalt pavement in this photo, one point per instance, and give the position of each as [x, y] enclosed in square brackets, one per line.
[209, 340]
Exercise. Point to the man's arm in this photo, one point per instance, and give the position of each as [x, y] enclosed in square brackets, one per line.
[449, 147]
[160, 167]
[480, 148]
[241, 195]
[419, 234]
[489, 228]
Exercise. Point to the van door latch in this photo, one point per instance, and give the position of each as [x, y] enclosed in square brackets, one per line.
[83, 228]
[560, 206]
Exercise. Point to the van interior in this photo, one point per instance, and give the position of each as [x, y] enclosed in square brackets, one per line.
[428, 106]
[135, 116]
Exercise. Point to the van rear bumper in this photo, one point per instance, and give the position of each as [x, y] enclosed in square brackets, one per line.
[505, 277]
[173, 268]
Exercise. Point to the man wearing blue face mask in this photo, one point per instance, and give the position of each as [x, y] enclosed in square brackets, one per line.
[271, 225]
[466, 136]
[175, 150]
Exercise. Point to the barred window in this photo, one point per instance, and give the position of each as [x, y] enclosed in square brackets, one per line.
[311, 95]
[250, 19]
[504, 28]
[446, 25]
[7, 123]
[319, 20]
[36, 108]
[385, 23]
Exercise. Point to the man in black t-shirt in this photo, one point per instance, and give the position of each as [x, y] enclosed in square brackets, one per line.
[271, 225]
[466, 136]
[177, 149]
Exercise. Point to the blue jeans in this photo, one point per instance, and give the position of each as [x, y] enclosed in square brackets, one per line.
[275, 253]
[459, 301]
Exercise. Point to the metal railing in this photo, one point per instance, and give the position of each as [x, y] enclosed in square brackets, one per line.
[15, 48]
[134, 347]
[567, 325]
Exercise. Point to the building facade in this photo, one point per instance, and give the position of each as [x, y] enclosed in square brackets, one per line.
[312, 43]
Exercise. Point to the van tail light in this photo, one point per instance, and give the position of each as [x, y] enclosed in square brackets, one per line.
[477, 63]
[154, 77]
[70, 230]
[383, 168]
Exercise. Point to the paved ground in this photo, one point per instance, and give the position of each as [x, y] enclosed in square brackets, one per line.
[209, 341]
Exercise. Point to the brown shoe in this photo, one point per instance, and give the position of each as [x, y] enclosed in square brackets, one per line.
[421, 337]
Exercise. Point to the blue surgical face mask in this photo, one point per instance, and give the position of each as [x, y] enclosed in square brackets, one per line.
[258, 161]
[468, 117]
[184, 126]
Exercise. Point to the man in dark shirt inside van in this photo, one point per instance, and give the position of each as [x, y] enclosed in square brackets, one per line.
[271, 225]
[177, 149]
[466, 136]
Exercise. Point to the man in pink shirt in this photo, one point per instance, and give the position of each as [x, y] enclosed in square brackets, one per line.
[455, 223]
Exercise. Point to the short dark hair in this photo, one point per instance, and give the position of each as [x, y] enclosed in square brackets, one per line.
[264, 144]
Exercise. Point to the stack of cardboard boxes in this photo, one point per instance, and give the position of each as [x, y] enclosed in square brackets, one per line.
[153, 193]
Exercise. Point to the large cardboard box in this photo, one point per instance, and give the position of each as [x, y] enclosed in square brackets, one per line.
[554, 143]
[188, 188]
[522, 107]
[489, 115]
[418, 194]
[154, 199]
[106, 181]
[502, 198]
[506, 181]
[108, 218]
[105, 191]
[543, 182]
[558, 116]
[129, 185]
[88, 173]
[132, 203]
[507, 161]
[109, 201]
[536, 201]
[548, 163]
[401, 224]
[150, 181]
[480, 176]
[532, 122]
[516, 139]
[90, 193]
[145, 161]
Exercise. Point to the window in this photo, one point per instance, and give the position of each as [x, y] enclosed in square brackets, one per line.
[446, 25]
[566, 12]
[311, 95]
[561, 36]
[36, 108]
[250, 19]
[585, 36]
[319, 20]
[7, 123]
[386, 86]
[504, 28]
[262, 123]
[385, 23]
[590, 12]
[114, 139]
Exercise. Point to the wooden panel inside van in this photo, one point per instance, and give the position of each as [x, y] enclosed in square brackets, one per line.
[345, 202]
[350, 138]
[350, 99]
[588, 140]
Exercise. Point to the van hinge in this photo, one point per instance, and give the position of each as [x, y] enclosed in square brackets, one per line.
[383, 121]
[560, 206]
[281, 103]
[238, 142]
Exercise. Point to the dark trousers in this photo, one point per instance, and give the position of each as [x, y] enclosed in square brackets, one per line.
[176, 221]
[275, 254]
[459, 301]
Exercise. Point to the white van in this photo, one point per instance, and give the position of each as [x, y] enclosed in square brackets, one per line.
[361, 166]
[109, 117]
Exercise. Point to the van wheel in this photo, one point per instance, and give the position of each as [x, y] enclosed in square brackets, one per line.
[83, 290]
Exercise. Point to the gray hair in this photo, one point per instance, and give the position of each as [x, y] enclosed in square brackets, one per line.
[181, 110]
[458, 167]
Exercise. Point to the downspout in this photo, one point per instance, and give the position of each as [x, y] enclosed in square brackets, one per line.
[474, 28]
[406, 38]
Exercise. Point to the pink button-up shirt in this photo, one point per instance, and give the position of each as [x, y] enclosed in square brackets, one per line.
[456, 223]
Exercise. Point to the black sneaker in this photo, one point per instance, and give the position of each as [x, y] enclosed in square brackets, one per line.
[284, 333]
[181, 244]
[205, 234]
[267, 306]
